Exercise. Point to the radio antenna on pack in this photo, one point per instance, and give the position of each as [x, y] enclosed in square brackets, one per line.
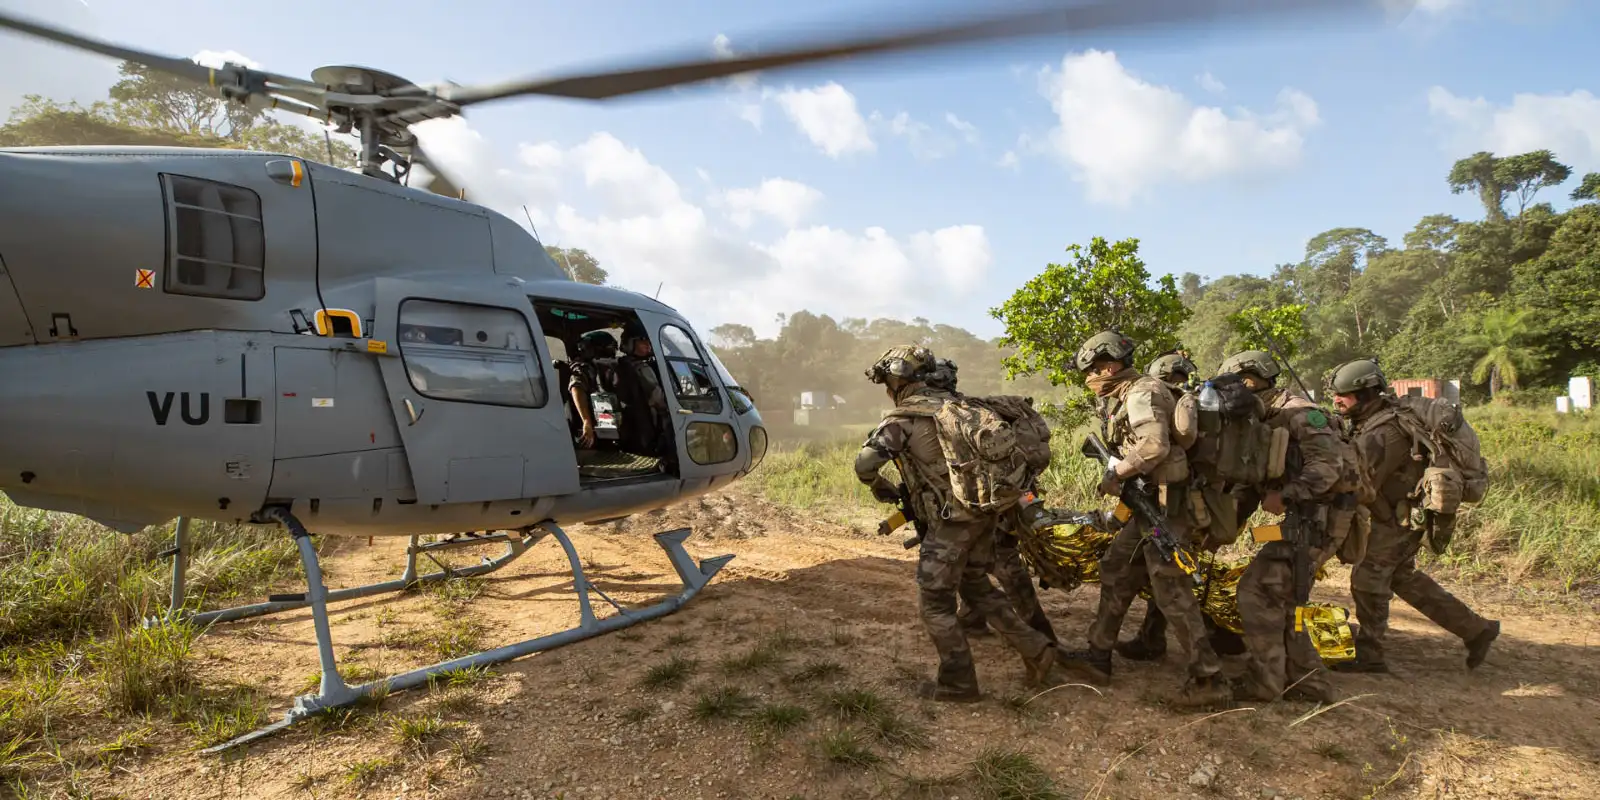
[1277, 352]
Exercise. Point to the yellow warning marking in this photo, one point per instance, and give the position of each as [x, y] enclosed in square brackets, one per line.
[144, 279]
[377, 346]
[299, 173]
[211, 75]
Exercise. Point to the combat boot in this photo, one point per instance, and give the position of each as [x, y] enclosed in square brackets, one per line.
[1478, 646]
[933, 690]
[1140, 650]
[1361, 665]
[1202, 692]
[1091, 665]
[1312, 693]
[955, 681]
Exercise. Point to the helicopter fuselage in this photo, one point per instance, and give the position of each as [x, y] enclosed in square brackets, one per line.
[203, 333]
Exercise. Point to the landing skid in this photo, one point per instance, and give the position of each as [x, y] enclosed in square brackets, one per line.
[515, 547]
[334, 692]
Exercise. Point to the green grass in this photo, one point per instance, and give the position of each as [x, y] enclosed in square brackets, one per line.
[1540, 519]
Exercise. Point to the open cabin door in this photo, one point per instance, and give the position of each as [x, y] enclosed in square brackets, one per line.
[471, 385]
[702, 417]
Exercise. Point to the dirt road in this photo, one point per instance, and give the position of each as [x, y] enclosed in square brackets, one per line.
[793, 678]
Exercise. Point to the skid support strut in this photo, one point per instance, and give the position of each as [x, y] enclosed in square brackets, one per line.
[516, 545]
[334, 692]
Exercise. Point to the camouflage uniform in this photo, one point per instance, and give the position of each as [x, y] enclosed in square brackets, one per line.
[957, 553]
[1137, 412]
[1390, 565]
[1322, 485]
[1014, 579]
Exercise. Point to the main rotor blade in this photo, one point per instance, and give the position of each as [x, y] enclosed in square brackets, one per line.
[181, 67]
[1056, 18]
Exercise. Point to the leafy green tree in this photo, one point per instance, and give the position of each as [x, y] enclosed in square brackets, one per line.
[578, 264]
[1564, 285]
[1478, 173]
[1284, 328]
[1527, 173]
[149, 108]
[1588, 188]
[1105, 286]
[1498, 339]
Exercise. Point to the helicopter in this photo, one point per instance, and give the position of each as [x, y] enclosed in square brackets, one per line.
[252, 337]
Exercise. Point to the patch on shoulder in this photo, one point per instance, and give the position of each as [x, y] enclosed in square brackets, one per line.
[1141, 408]
[1316, 419]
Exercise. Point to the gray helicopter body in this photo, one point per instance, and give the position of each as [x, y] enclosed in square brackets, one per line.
[203, 333]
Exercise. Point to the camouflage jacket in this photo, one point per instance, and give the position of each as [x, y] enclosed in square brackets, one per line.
[1138, 421]
[1322, 469]
[912, 445]
[1385, 450]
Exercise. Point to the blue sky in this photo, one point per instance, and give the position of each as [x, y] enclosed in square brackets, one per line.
[1221, 151]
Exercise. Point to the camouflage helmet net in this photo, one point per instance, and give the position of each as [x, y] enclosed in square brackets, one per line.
[1353, 376]
[1259, 363]
[1107, 344]
[907, 363]
[943, 375]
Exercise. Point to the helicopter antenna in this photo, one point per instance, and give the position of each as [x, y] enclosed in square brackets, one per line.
[530, 222]
[328, 137]
[658, 290]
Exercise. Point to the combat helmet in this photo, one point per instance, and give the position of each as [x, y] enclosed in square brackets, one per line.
[1259, 363]
[1172, 368]
[598, 344]
[1353, 376]
[1106, 344]
[943, 375]
[907, 362]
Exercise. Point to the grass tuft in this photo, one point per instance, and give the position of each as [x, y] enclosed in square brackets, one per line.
[671, 674]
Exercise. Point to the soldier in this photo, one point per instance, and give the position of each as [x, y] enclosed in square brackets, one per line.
[1150, 643]
[1137, 419]
[1319, 483]
[1015, 580]
[1390, 566]
[958, 551]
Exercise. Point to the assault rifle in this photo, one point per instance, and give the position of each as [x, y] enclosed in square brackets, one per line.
[1302, 528]
[1136, 495]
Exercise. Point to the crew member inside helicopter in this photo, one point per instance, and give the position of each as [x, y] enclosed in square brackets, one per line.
[646, 426]
[593, 389]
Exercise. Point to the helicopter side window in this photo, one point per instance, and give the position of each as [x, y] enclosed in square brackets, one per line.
[470, 353]
[691, 376]
[216, 246]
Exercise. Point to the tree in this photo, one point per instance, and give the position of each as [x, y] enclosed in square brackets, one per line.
[1477, 172]
[1103, 287]
[578, 264]
[1529, 172]
[1284, 326]
[1589, 188]
[1497, 340]
[733, 336]
[1194, 288]
[149, 108]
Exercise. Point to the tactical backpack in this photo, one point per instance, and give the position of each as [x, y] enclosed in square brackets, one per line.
[1236, 446]
[1456, 472]
[993, 446]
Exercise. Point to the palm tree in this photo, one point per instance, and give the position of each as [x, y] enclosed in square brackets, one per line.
[1497, 341]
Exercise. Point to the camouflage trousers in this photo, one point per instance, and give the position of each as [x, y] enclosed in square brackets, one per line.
[1131, 563]
[1279, 656]
[1389, 569]
[956, 558]
[1017, 583]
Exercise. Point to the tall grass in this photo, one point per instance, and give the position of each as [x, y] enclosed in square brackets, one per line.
[1541, 517]
[74, 656]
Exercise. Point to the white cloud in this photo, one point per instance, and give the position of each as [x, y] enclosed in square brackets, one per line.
[1210, 83]
[1568, 124]
[828, 116]
[967, 130]
[1010, 160]
[782, 199]
[1437, 6]
[608, 198]
[1121, 135]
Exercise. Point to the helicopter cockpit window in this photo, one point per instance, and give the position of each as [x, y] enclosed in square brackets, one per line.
[691, 376]
[470, 353]
[216, 245]
[740, 396]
